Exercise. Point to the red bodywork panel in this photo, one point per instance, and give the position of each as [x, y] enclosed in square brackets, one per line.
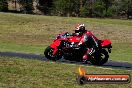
[75, 39]
[105, 43]
[55, 44]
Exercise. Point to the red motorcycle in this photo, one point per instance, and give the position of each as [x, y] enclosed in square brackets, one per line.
[65, 46]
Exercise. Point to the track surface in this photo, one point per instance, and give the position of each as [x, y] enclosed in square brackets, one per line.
[109, 64]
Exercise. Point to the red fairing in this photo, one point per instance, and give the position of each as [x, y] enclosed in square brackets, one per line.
[105, 43]
[75, 39]
[55, 44]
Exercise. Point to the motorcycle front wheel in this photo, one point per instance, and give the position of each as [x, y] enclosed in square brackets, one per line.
[49, 54]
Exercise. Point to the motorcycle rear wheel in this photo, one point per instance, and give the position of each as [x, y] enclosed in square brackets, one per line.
[101, 58]
[48, 54]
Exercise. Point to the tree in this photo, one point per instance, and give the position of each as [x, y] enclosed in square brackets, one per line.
[107, 4]
[99, 9]
[125, 7]
[45, 6]
[66, 7]
[86, 8]
[3, 5]
[27, 5]
[129, 11]
[92, 8]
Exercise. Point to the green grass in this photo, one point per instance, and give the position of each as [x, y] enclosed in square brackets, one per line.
[33, 33]
[122, 52]
[22, 48]
[23, 73]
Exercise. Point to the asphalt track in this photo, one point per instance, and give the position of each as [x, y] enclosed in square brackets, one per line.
[109, 64]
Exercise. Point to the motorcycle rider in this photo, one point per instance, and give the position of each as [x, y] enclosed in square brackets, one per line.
[86, 38]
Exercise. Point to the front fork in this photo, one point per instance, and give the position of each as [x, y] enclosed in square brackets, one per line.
[55, 51]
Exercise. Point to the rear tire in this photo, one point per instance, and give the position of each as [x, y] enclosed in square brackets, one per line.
[101, 58]
[48, 54]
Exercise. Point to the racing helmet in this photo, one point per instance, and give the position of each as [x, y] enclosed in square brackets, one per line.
[80, 29]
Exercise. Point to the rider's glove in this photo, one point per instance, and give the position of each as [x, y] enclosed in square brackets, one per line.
[67, 34]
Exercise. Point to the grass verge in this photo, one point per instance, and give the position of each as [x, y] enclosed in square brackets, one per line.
[23, 73]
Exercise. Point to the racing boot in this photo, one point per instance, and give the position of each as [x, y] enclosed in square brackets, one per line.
[87, 55]
[85, 59]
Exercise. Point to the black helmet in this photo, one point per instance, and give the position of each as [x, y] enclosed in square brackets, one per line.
[80, 28]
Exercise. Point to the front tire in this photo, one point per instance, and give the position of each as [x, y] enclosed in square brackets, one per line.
[48, 54]
[100, 59]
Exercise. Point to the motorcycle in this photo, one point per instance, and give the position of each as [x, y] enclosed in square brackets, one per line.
[64, 46]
